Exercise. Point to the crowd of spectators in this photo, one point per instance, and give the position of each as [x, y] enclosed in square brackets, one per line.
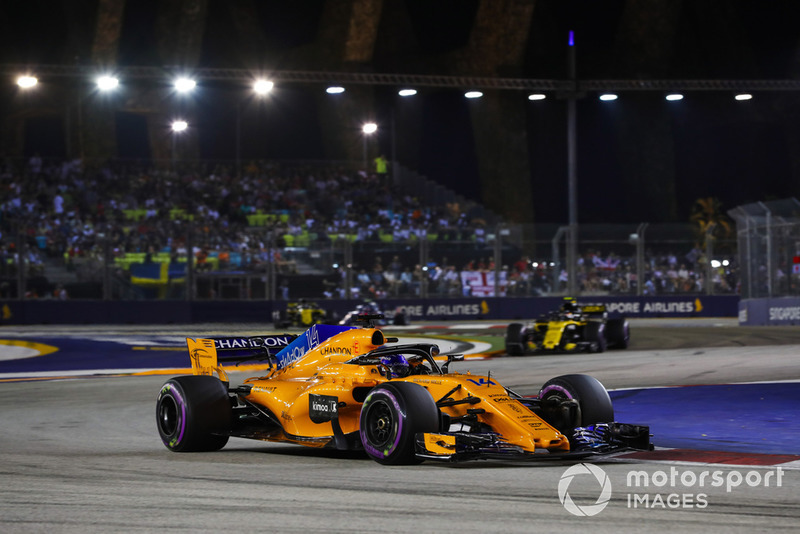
[664, 274]
[70, 212]
[64, 208]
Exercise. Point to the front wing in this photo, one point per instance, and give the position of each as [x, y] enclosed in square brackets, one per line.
[462, 446]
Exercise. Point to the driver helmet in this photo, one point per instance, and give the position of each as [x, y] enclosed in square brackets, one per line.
[397, 364]
[569, 306]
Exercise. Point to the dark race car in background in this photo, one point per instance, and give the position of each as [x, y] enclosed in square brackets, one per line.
[371, 308]
[572, 328]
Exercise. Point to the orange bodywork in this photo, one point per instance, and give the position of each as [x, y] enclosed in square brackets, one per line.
[284, 394]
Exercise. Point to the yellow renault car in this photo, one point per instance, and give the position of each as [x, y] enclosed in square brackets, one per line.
[572, 328]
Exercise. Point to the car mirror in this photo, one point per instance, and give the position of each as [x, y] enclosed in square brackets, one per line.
[452, 358]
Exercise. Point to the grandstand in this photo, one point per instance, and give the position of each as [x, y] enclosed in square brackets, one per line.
[120, 232]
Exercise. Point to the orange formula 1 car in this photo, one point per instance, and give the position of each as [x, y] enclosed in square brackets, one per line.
[352, 388]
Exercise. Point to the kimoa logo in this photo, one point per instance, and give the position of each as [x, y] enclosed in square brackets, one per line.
[580, 470]
[323, 407]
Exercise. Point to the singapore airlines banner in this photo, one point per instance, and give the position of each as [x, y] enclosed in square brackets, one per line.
[531, 307]
[40, 311]
[770, 311]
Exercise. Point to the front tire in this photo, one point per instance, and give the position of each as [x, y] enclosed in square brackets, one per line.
[516, 339]
[193, 413]
[391, 416]
[594, 404]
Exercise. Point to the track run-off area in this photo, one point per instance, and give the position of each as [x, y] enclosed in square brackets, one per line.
[81, 451]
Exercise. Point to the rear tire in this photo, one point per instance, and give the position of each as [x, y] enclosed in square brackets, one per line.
[592, 398]
[516, 339]
[280, 319]
[400, 319]
[193, 413]
[594, 333]
[391, 416]
[618, 333]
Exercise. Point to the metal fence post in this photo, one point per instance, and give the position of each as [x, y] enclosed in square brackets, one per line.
[498, 257]
[190, 282]
[348, 262]
[556, 261]
[423, 262]
[640, 258]
[709, 282]
[21, 281]
[107, 293]
[769, 247]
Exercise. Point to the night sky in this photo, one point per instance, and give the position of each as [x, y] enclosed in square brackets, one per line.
[737, 151]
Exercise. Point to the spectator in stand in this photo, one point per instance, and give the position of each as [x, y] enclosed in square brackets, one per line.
[391, 282]
[396, 266]
[452, 281]
[406, 281]
[381, 166]
[363, 279]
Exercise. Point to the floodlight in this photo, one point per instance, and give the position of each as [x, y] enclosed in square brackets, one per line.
[184, 85]
[263, 87]
[26, 82]
[107, 83]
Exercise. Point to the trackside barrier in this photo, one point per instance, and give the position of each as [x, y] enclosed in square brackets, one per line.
[769, 311]
[251, 311]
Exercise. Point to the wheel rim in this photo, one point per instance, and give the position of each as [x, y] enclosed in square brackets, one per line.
[560, 420]
[380, 423]
[168, 415]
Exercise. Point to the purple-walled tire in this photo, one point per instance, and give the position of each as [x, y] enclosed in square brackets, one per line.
[193, 413]
[391, 416]
[516, 339]
[618, 333]
[592, 397]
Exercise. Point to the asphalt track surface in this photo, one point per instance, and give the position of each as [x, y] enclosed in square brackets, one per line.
[83, 455]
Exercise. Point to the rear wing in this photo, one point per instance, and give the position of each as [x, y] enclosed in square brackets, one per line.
[594, 309]
[236, 348]
[207, 353]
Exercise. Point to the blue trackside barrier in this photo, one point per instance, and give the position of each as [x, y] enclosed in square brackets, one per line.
[498, 309]
[781, 311]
